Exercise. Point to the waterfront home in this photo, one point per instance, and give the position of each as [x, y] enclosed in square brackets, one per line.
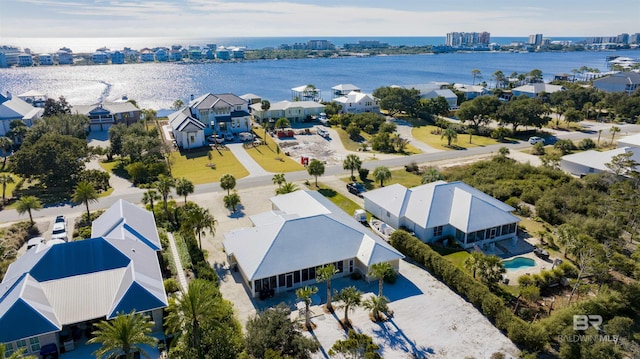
[208, 54]
[162, 54]
[471, 91]
[147, 55]
[175, 55]
[619, 82]
[536, 89]
[14, 108]
[452, 98]
[440, 210]
[9, 56]
[251, 99]
[303, 231]
[34, 98]
[45, 59]
[344, 89]
[117, 57]
[223, 54]
[65, 57]
[25, 59]
[583, 163]
[106, 114]
[306, 93]
[295, 112]
[99, 57]
[54, 294]
[237, 53]
[358, 102]
[188, 131]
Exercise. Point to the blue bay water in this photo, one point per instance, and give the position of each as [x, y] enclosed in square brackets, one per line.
[158, 85]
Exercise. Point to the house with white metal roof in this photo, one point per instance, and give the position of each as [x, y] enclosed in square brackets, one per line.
[344, 89]
[106, 114]
[535, 89]
[54, 294]
[304, 231]
[592, 161]
[296, 111]
[471, 91]
[15, 108]
[358, 102]
[439, 209]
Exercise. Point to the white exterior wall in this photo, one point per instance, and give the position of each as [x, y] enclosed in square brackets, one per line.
[381, 214]
[192, 139]
[577, 168]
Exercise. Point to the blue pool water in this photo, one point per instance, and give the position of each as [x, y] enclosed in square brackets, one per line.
[519, 263]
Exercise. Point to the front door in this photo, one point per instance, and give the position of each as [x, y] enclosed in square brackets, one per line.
[289, 280]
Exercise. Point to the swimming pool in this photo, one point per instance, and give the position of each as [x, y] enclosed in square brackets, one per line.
[519, 263]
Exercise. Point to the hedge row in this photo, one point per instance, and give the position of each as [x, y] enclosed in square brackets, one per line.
[532, 337]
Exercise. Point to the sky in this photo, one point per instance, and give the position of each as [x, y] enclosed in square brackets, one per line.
[247, 18]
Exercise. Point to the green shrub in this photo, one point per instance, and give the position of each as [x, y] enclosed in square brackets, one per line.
[171, 285]
[586, 144]
[363, 173]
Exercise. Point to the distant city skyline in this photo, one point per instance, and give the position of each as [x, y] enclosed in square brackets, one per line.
[202, 18]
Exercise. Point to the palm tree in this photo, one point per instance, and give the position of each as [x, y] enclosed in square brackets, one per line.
[381, 174]
[123, 335]
[85, 192]
[599, 133]
[470, 131]
[614, 130]
[227, 182]
[492, 269]
[16, 355]
[278, 179]
[190, 309]
[5, 146]
[315, 168]
[305, 294]
[5, 179]
[350, 297]
[450, 134]
[184, 187]
[200, 220]
[287, 188]
[26, 204]
[324, 274]
[473, 262]
[377, 305]
[164, 185]
[282, 123]
[476, 74]
[150, 197]
[380, 271]
[431, 175]
[232, 200]
[353, 163]
[266, 105]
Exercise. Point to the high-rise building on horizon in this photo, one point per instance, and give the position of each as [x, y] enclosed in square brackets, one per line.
[535, 39]
[457, 39]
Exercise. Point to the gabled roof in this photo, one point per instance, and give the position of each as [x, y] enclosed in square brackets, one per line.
[354, 97]
[18, 109]
[470, 88]
[52, 286]
[285, 105]
[183, 121]
[209, 101]
[622, 78]
[440, 203]
[345, 88]
[109, 107]
[308, 231]
[599, 159]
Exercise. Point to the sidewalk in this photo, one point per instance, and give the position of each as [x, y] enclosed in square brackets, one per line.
[182, 278]
[252, 166]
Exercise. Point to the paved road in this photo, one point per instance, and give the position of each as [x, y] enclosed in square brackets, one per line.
[262, 180]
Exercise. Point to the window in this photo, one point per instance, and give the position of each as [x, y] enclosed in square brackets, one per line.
[21, 345]
[312, 273]
[437, 231]
[505, 229]
[281, 282]
[388, 214]
[296, 276]
[339, 266]
[35, 344]
[492, 232]
[9, 349]
[305, 274]
[350, 265]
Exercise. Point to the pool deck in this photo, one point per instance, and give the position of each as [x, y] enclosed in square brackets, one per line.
[540, 264]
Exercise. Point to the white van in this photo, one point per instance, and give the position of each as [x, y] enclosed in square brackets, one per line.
[322, 132]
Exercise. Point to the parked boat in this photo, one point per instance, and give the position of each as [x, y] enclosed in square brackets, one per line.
[380, 228]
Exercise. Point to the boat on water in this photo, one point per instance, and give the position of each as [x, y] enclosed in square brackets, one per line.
[381, 229]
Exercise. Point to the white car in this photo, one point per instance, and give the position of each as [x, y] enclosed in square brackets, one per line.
[534, 140]
[59, 229]
[322, 132]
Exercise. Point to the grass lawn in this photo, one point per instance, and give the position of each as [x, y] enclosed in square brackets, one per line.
[352, 145]
[10, 186]
[457, 258]
[193, 165]
[424, 134]
[270, 160]
[339, 200]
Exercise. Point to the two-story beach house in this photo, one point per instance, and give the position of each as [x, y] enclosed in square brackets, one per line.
[302, 232]
[106, 114]
[295, 112]
[627, 81]
[53, 295]
[14, 108]
[439, 210]
[358, 102]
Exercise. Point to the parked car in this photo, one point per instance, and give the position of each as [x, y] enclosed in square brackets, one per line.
[215, 138]
[322, 117]
[322, 132]
[59, 229]
[229, 137]
[355, 188]
[533, 140]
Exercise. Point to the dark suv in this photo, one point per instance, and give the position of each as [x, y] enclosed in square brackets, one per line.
[355, 188]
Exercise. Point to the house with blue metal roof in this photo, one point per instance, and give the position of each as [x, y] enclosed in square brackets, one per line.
[54, 293]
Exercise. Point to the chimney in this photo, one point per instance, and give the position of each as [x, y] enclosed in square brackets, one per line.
[191, 97]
